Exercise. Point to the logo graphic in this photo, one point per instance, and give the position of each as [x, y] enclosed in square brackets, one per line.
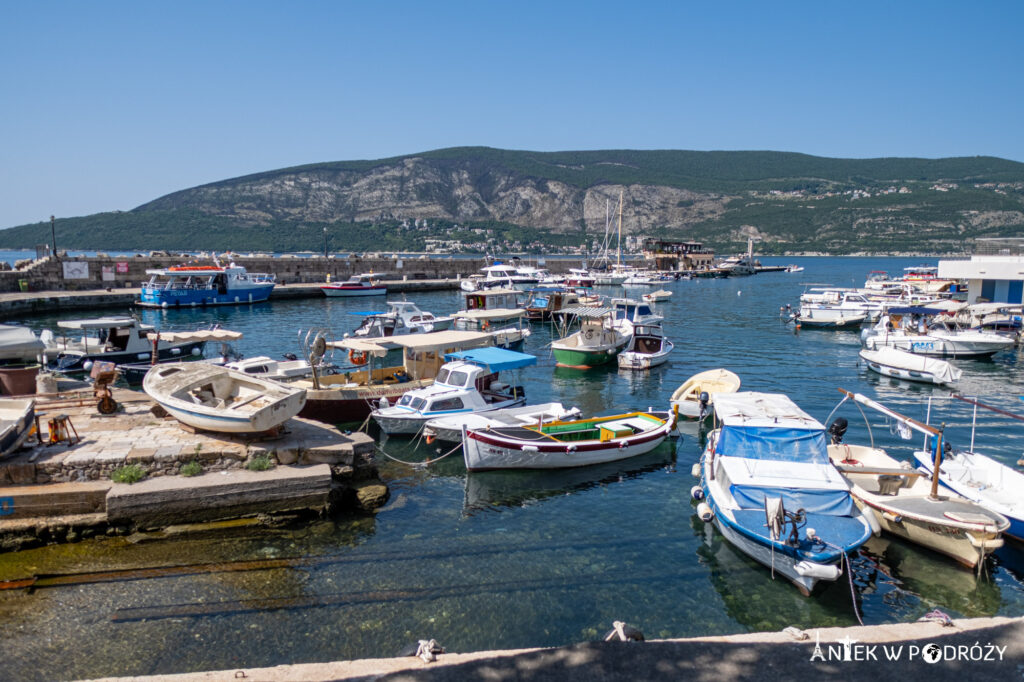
[932, 653]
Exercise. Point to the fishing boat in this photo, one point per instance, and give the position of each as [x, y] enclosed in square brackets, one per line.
[659, 295]
[467, 383]
[357, 285]
[578, 277]
[195, 285]
[630, 312]
[119, 340]
[546, 300]
[695, 396]
[916, 330]
[596, 343]
[899, 364]
[215, 398]
[569, 443]
[449, 427]
[980, 478]
[902, 500]
[17, 417]
[770, 489]
[402, 317]
[647, 348]
[495, 312]
[376, 378]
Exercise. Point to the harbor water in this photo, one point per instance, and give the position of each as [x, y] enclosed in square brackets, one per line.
[501, 560]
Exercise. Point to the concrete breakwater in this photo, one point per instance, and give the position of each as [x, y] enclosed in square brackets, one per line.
[64, 491]
[103, 272]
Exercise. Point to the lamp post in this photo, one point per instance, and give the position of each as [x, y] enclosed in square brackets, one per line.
[325, 241]
[53, 236]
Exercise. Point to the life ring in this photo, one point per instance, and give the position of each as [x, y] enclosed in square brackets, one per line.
[589, 334]
[357, 357]
[486, 325]
[852, 462]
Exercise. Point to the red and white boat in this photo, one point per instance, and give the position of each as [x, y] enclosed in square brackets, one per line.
[356, 285]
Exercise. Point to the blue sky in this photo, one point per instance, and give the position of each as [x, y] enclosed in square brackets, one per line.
[107, 105]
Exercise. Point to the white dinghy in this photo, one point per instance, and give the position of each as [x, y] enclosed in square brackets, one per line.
[218, 399]
[899, 364]
[449, 428]
[16, 418]
[694, 398]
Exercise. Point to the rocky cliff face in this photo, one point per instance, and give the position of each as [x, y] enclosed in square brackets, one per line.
[419, 188]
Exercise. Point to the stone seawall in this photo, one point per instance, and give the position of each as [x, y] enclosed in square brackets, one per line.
[103, 272]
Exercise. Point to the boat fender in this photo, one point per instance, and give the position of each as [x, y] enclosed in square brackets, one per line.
[196, 352]
[530, 448]
[383, 402]
[571, 448]
[175, 351]
[705, 512]
[695, 470]
[894, 518]
[697, 493]
[621, 632]
[810, 569]
[87, 365]
[872, 521]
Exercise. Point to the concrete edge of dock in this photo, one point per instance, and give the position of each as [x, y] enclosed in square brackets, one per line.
[979, 648]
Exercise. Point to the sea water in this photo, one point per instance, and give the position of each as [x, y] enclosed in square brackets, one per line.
[516, 559]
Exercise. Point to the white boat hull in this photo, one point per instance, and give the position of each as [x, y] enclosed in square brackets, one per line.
[336, 292]
[899, 365]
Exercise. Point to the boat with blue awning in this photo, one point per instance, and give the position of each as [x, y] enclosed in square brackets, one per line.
[770, 488]
[196, 285]
[467, 383]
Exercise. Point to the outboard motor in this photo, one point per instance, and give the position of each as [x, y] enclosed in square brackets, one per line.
[837, 429]
[704, 400]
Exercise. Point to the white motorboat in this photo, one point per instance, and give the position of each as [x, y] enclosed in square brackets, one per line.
[639, 280]
[19, 344]
[794, 268]
[402, 317]
[467, 383]
[694, 398]
[899, 364]
[647, 348]
[215, 398]
[824, 305]
[265, 367]
[201, 285]
[17, 417]
[908, 329]
[770, 489]
[980, 478]
[843, 321]
[449, 427]
[903, 501]
[357, 285]
[659, 295]
[630, 312]
[561, 444]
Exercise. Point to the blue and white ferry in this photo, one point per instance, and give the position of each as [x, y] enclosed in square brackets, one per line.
[195, 285]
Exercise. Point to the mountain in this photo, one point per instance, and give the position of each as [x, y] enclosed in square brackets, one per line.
[791, 202]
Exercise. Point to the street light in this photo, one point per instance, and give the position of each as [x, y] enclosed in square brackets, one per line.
[53, 236]
[325, 241]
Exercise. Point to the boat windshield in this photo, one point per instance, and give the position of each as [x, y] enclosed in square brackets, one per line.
[412, 402]
[442, 376]
[458, 379]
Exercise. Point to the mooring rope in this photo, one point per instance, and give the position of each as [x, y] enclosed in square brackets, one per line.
[418, 465]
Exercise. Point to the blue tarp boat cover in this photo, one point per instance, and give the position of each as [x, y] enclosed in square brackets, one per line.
[775, 443]
[828, 502]
[914, 310]
[495, 359]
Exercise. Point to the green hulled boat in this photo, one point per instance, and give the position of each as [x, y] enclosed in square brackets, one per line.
[596, 343]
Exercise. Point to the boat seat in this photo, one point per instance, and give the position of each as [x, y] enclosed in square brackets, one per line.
[889, 484]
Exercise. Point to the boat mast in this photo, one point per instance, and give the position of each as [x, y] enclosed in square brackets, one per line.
[618, 255]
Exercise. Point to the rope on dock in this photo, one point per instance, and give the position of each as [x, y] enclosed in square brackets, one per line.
[418, 465]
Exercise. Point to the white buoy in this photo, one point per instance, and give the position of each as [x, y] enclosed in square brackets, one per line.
[738, 293]
[697, 493]
[87, 365]
[704, 512]
[695, 470]
[196, 352]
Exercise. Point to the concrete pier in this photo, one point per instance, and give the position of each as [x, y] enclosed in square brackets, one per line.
[761, 656]
[48, 492]
[24, 303]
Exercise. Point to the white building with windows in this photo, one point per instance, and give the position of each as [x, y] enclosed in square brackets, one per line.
[995, 273]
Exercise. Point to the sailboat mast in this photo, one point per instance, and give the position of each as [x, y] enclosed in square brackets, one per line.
[618, 255]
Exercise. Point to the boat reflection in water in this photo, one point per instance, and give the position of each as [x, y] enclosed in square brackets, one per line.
[915, 580]
[518, 488]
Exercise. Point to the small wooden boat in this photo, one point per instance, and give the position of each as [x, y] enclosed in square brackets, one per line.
[647, 348]
[903, 501]
[218, 399]
[561, 444]
[899, 364]
[659, 295]
[16, 418]
[689, 401]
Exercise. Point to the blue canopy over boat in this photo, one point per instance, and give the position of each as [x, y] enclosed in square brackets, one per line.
[914, 310]
[367, 313]
[495, 359]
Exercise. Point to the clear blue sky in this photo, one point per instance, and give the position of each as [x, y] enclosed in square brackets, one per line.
[107, 105]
